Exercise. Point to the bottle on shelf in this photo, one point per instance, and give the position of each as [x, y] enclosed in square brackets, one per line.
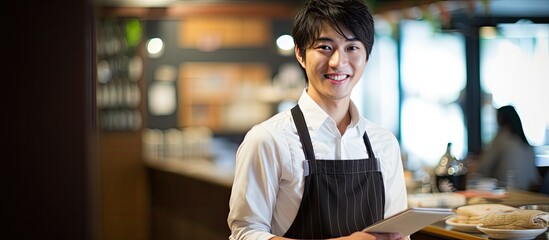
[450, 173]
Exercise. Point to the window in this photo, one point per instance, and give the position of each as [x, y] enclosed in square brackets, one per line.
[433, 75]
[376, 95]
[514, 62]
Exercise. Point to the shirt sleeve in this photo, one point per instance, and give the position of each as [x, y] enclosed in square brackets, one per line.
[396, 198]
[255, 185]
[393, 177]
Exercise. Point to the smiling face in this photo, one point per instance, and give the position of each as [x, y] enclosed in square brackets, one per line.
[334, 64]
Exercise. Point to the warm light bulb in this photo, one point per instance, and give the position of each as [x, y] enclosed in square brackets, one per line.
[155, 47]
[285, 42]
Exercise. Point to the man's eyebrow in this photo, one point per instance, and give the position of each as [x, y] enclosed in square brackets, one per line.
[327, 39]
[324, 39]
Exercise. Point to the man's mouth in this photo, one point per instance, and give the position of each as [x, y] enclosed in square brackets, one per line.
[336, 77]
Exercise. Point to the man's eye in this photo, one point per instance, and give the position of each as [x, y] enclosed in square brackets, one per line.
[353, 48]
[324, 47]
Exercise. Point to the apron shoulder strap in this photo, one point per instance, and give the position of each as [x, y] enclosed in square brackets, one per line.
[303, 132]
[368, 146]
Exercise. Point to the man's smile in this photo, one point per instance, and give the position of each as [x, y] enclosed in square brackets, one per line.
[336, 77]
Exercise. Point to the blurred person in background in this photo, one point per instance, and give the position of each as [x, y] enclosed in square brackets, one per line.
[510, 158]
[320, 170]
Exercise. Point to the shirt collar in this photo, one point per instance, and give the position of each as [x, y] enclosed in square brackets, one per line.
[355, 115]
[315, 116]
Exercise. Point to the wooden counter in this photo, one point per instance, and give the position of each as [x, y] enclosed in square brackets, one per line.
[201, 169]
[514, 198]
[517, 198]
[190, 198]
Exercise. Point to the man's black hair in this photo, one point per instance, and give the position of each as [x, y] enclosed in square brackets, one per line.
[353, 15]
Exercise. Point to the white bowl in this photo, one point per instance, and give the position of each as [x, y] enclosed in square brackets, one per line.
[511, 234]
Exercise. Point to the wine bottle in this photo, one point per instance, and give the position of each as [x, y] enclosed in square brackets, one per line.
[450, 173]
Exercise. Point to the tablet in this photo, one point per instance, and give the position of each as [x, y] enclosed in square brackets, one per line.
[410, 220]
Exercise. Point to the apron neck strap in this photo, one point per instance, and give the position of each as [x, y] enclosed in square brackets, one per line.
[303, 132]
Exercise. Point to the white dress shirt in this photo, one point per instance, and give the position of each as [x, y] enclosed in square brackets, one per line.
[268, 183]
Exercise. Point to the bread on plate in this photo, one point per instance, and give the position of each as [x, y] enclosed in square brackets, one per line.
[475, 214]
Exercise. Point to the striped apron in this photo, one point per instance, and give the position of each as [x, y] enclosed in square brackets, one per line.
[340, 196]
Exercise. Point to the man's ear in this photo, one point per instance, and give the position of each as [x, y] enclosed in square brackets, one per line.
[298, 56]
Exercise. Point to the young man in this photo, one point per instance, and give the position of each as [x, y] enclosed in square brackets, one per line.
[320, 170]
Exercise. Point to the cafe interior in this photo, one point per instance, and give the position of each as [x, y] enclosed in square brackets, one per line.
[126, 114]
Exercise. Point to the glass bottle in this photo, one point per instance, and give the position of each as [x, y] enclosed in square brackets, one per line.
[450, 173]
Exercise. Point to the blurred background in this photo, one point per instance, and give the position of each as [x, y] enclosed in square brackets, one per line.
[123, 116]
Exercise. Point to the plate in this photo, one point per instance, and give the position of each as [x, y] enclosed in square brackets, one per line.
[512, 234]
[462, 227]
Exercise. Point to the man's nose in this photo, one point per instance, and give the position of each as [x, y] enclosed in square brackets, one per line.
[338, 58]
